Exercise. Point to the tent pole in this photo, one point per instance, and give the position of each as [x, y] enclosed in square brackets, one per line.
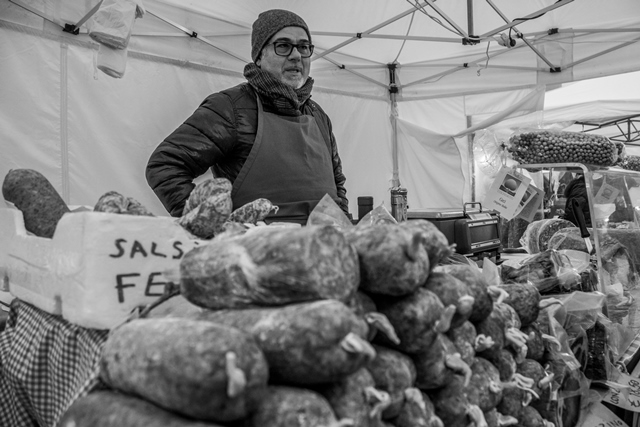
[470, 17]
[393, 90]
[472, 161]
[195, 35]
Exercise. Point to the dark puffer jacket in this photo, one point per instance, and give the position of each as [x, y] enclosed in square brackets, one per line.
[577, 190]
[219, 135]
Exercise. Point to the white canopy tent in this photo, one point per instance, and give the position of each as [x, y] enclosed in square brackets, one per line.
[405, 83]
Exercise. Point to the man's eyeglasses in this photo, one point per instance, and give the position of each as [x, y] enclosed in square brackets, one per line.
[285, 49]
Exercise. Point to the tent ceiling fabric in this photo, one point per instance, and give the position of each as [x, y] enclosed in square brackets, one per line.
[356, 40]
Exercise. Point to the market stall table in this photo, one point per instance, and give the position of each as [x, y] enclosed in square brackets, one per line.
[45, 364]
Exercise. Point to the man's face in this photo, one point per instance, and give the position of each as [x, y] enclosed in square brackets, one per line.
[293, 69]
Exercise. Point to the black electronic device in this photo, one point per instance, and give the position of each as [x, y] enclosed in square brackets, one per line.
[472, 229]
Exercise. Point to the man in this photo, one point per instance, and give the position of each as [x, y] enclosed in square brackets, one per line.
[265, 135]
[577, 190]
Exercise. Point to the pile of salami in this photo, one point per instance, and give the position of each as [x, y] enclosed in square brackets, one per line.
[327, 326]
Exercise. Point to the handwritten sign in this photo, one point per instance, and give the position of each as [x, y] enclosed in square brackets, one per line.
[152, 282]
[110, 264]
[599, 415]
[624, 392]
[506, 192]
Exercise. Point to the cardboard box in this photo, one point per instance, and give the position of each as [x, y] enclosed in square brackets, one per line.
[97, 267]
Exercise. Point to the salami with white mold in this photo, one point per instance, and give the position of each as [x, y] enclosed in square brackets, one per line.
[535, 342]
[356, 397]
[306, 343]
[107, 408]
[485, 387]
[453, 407]
[417, 411]
[207, 219]
[204, 190]
[478, 286]
[292, 407]
[439, 365]
[270, 267]
[416, 318]
[253, 212]
[198, 369]
[464, 337]
[525, 299]
[393, 372]
[505, 361]
[114, 202]
[452, 291]
[40, 203]
[436, 243]
[364, 306]
[496, 419]
[393, 259]
[542, 379]
[530, 417]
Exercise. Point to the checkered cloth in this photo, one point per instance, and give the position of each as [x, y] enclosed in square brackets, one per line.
[46, 363]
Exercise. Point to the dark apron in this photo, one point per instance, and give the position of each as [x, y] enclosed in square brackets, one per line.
[289, 164]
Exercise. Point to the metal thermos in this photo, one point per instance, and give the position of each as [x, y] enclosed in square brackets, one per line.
[365, 205]
[399, 203]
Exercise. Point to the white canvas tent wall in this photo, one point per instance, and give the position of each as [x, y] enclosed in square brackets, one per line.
[90, 133]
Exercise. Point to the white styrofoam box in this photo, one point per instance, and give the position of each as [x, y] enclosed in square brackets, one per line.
[26, 263]
[97, 267]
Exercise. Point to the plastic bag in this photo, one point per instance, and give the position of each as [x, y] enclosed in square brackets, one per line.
[529, 239]
[536, 237]
[550, 271]
[595, 340]
[112, 24]
[551, 146]
[512, 230]
[327, 212]
[112, 62]
[570, 238]
[377, 215]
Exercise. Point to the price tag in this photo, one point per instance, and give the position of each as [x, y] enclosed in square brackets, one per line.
[624, 392]
[599, 415]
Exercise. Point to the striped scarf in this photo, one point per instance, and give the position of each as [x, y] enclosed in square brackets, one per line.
[285, 99]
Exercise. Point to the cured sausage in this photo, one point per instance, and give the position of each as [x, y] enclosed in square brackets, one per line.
[32, 193]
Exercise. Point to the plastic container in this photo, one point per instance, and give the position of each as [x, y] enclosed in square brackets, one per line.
[399, 203]
[365, 205]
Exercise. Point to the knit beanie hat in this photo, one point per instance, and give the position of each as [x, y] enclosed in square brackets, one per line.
[269, 23]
